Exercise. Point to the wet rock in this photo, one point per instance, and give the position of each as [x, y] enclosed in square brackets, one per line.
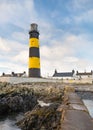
[23, 97]
[16, 99]
[3, 107]
[41, 118]
[17, 104]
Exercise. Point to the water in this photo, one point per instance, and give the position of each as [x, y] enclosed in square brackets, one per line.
[8, 123]
[89, 105]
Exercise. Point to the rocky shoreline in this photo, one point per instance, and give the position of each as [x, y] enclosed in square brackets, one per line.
[38, 101]
[15, 99]
[41, 118]
[28, 98]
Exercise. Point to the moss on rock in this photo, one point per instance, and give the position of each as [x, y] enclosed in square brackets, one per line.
[46, 118]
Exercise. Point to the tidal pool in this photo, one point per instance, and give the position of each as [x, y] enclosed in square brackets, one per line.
[89, 105]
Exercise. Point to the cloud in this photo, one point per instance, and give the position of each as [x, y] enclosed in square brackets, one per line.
[64, 55]
[59, 50]
[7, 67]
[85, 17]
[21, 57]
[70, 59]
[59, 47]
[80, 5]
[20, 36]
[7, 46]
[13, 55]
[16, 12]
[4, 46]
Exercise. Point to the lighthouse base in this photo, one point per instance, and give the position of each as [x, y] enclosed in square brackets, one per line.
[34, 72]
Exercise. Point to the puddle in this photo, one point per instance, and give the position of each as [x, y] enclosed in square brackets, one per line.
[89, 105]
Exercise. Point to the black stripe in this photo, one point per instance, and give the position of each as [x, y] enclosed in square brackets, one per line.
[34, 72]
[34, 34]
[34, 52]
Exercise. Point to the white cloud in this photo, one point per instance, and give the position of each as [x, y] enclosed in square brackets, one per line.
[58, 50]
[18, 13]
[11, 46]
[13, 55]
[86, 16]
[61, 54]
[3, 45]
[79, 5]
[20, 36]
[11, 67]
[64, 55]
[70, 59]
[21, 57]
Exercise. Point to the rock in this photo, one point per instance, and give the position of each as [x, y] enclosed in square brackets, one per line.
[23, 97]
[69, 89]
[3, 84]
[3, 107]
[17, 104]
[41, 118]
[16, 99]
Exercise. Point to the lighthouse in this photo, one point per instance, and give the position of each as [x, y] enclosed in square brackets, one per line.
[34, 54]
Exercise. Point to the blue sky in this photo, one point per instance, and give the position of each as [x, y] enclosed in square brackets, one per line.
[66, 34]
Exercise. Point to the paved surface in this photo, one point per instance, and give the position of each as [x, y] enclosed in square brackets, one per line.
[75, 115]
[27, 79]
[77, 120]
[73, 98]
[16, 80]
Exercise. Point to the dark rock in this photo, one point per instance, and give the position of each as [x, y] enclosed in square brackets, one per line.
[3, 108]
[17, 103]
[23, 97]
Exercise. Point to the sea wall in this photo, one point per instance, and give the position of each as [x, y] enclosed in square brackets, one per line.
[75, 115]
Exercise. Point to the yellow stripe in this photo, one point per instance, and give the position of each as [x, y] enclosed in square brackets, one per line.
[33, 42]
[34, 62]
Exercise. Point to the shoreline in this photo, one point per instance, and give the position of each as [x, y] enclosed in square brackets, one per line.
[38, 101]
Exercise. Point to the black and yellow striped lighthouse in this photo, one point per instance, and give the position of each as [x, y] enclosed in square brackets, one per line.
[34, 55]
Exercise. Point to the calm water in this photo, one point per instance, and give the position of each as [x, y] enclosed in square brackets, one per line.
[8, 123]
[89, 105]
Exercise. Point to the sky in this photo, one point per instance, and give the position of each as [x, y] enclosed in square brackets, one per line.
[66, 34]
